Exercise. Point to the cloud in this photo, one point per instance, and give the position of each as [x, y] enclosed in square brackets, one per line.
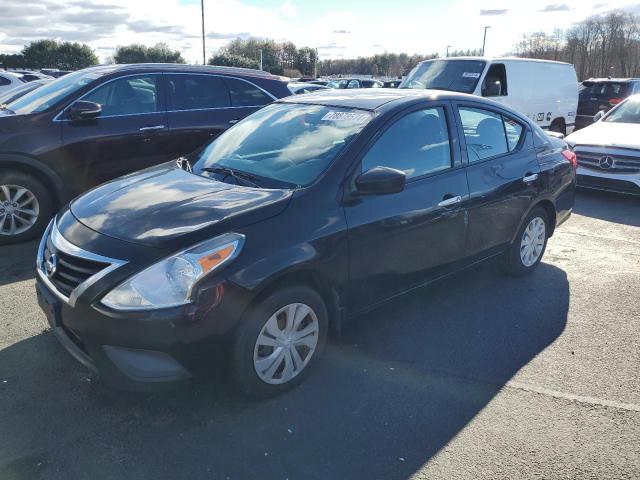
[146, 26]
[332, 46]
[227, 36]
[556, 7]
[494, 12]
[342, 31]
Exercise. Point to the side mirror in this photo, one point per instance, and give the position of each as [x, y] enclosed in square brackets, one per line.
[598, 115]
[380, 181]
[492, 89]
[82, 110]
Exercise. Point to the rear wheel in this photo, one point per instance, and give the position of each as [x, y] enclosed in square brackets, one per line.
[25, 207]
[527, 249]
[278, 341]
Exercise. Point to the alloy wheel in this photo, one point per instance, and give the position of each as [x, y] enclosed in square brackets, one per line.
[286, 343]
[532, 242]
[19, 209]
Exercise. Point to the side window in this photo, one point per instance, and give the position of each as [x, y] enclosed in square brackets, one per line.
[417, 144]
[190, 92]
[488, 134]
[495, 82]
[4, 81]
[244, 94]
[353, 84]
[127, 96]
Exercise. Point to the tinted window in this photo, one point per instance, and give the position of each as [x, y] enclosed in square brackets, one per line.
[484, 133]
[417, 144]
[126, 96]
[606, 89]
[456, 75]
[285, 143]
[189, 92]
[244, 94]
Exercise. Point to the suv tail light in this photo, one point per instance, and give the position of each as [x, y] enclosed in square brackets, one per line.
[614, 101]
[569, 155]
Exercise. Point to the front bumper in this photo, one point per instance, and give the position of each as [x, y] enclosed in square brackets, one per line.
[613, 182]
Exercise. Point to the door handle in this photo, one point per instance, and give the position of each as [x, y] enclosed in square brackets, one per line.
[447, 202]
[234, 121]
[150, 129]
[530, 178]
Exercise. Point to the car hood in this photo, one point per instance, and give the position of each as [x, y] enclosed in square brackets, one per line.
[608, 134]
[167, 207]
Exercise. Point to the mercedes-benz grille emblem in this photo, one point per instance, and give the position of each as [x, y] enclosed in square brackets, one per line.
[51, 265]
[606, 162]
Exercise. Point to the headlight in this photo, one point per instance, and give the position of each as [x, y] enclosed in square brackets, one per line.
[169, 282]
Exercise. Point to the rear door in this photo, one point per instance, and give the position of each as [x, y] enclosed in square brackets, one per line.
[130, 134]
[503, 175]
[401, 240]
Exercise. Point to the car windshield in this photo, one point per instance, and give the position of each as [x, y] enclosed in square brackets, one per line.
[455, 75]
[627, 112]
[284, 145]
[42, 98]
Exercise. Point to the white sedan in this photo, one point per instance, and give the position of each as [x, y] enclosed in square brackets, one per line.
[608, 151]
[9, 81]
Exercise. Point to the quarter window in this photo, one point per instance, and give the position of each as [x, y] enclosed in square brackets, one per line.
[244, 94]
[417, 144]
[488, 134]
[189, 92]
[127, 96]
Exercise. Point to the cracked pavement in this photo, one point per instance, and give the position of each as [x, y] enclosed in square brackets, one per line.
[479, 376]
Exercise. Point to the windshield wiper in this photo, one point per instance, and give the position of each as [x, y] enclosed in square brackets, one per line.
[238, 176]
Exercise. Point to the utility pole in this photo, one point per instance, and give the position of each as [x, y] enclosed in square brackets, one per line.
[448, 46]
[204, 55]
[260, 59]
[484, 40]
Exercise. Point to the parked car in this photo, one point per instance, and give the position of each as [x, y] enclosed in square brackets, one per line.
[312, 210]
[392, 83]
[601, 94]
[54, 72]
[21, 90]
[543, 90]
[298, 88]
[30, 76]
[608, 151]
[96, 124]
[9, 81]
[358, 83]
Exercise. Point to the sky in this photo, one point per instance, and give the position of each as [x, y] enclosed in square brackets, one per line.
[337, 28]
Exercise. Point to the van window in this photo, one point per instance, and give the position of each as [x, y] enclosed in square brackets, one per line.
[488, 134]
[423, 138]
[454, 75]
[495, 82]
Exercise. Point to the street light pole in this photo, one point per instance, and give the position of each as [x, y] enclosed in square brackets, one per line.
[484, 40]
[204, 55]
[448, 46]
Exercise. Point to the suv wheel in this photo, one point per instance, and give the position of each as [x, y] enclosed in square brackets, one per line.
[25, 207]
[277, 343]
[527, 250]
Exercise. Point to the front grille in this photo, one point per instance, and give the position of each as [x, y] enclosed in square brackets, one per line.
[621, 163]
[70, 270]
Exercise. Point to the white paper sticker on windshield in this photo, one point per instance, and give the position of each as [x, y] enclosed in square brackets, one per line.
[470, 75]
[346, 116]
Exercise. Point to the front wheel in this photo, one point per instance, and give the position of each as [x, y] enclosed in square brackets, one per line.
[278, 341]
[527, 249]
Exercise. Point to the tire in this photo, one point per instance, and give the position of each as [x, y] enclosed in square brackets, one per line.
[18, 189]
[558, 126]
[515, 261]
[248, 352]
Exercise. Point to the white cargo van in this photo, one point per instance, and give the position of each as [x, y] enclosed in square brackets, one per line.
[544, 91]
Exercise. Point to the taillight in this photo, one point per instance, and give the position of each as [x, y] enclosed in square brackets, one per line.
[615, 101]
[569, 155]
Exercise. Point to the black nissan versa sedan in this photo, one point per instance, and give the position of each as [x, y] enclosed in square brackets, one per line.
[103, 122]
[311, 210]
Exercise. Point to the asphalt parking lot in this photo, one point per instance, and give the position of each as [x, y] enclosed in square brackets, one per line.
[479, 376]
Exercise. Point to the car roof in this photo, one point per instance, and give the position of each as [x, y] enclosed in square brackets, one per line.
[372, 99]
[179, 67]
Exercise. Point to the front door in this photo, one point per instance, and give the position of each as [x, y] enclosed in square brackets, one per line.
[503, 174]
[399, 241]
[130, 133]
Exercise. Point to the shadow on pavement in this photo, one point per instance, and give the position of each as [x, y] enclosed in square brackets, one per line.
[18, 262]
[394, 390]
[612, 207]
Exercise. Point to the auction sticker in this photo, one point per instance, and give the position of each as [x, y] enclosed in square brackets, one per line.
[470, 75]
[352, 117]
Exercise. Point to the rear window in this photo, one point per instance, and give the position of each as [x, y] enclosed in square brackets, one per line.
[605, 89]
[245, 94]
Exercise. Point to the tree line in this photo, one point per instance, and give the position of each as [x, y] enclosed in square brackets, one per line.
[384, 64]
[600, 46]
